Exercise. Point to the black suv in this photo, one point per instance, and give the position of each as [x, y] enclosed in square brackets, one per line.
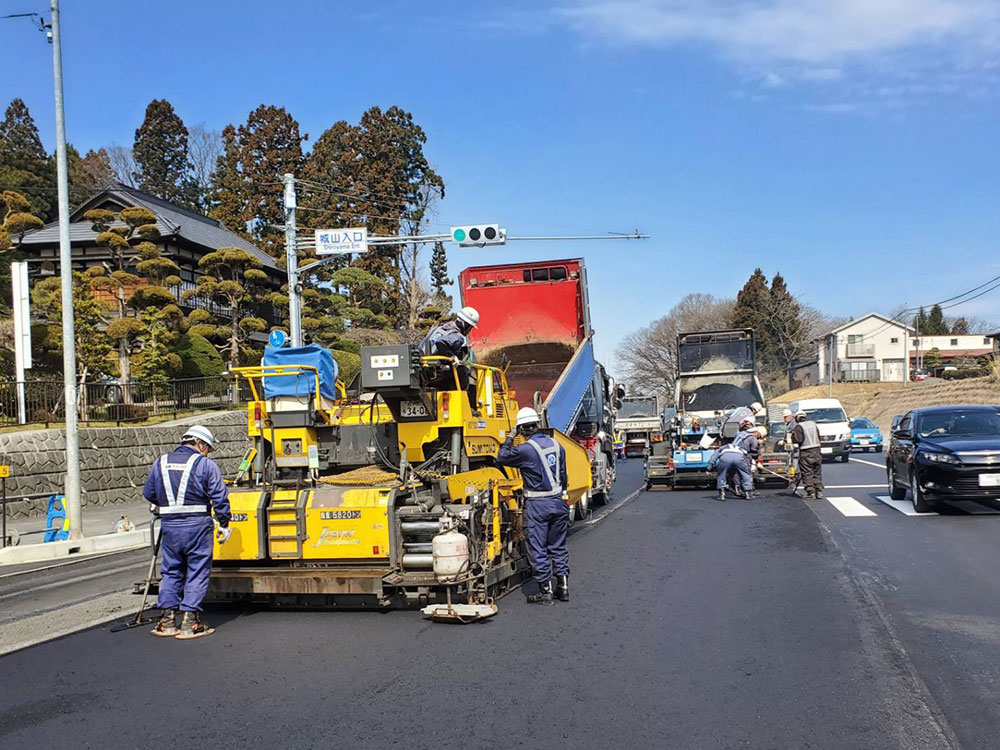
[943, 453]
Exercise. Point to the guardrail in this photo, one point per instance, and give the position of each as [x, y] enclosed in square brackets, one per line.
[118, 403]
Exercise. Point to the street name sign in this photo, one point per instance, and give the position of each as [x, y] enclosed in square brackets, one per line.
[341, 241]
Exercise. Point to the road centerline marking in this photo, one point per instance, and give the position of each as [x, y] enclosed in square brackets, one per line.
[902, 506]
[868, 463]
[851, 508]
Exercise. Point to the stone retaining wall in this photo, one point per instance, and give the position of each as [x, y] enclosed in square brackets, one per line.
[114, 461]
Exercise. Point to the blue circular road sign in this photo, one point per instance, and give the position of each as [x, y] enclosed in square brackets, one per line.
[277, 338]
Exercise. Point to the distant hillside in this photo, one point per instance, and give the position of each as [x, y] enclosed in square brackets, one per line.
[881, 401]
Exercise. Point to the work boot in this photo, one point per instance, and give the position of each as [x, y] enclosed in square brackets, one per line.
[562, 588]
[166, 626]
[544, 595]
[721, 497]
[193, 627]
[749, 494]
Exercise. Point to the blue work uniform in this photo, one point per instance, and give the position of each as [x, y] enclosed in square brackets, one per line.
[445, 340]
[747, 441]
[542, 462]
[194, 487]
[731, 462]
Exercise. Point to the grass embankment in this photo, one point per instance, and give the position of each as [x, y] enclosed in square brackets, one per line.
[881, 401]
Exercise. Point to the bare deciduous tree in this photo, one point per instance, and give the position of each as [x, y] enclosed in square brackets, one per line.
[648, 357]
[122, 164]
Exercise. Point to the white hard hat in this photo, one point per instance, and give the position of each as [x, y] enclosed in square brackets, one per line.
[787, 413]
[527, 415]
[801, 414]
[756, 407]
[746, 421]
[469, 315]
[760, 430]
[200, 433]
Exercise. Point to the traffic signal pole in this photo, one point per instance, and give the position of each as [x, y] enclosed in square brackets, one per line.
[292, 263]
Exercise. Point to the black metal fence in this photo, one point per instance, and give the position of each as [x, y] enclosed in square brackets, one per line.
[115, 402]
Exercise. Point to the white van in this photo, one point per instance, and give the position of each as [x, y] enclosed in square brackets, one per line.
[834, 430]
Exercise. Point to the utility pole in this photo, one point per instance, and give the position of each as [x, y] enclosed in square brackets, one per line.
[906, 354]
[831, 348]
[72, 489]
[292, 263]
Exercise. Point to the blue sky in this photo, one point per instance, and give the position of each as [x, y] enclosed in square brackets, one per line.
[852, 145]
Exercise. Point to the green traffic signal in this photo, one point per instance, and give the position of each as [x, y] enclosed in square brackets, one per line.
[459, 235]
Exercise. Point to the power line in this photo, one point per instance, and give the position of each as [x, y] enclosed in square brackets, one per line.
[362, 215]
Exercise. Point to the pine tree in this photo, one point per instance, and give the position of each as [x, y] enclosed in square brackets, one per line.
[935, 325]
[246, 187]
[960, 327]
[232, 280]
[439, 269]
[752, 309]
[920, 322]
[161, 153]
[24, 164]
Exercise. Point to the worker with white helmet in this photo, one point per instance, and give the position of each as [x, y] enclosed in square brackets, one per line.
[746, 412]
[806, 436]
[542, 462]
[748, 441]
[451, 339]
[185, 486]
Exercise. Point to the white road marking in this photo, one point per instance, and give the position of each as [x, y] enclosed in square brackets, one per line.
[854, 486]
[850, 507]
[903, 506]
[628, 498]
[869, 463]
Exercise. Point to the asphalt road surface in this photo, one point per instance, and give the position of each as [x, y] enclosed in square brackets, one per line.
[774, 623]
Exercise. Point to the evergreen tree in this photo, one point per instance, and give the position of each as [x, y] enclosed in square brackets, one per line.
[439, 269]
[232, 281]
[24, 164]
[92, 345]
[960, 327]
[752, 309]
[920, 322]
[784, 327]
[935, 325]
[87, 174]
[932, 358]
[246, 187]
[161, 153]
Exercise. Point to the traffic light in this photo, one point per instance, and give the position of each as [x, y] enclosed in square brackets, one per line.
[478, 235]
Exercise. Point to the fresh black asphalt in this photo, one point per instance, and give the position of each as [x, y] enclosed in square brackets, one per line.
[693, 624]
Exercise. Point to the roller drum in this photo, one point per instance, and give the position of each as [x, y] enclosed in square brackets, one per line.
[418, 561]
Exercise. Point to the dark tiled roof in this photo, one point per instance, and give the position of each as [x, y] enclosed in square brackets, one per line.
[171, 220]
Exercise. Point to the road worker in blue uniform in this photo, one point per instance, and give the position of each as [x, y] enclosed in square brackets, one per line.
[731, 462]
[542, 462]
[185, 485]
[451, 339]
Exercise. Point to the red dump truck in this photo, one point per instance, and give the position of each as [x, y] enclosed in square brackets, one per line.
[535, 317]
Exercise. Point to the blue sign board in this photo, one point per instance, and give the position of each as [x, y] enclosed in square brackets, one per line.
[277, 338]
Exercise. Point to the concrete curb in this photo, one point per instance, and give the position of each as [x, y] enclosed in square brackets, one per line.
[75, 547]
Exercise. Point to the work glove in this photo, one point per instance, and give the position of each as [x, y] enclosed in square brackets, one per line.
[223, 533]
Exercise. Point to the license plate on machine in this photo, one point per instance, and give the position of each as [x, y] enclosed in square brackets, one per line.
[413, 409]
[863, 442]
[989, 480]
[826, 450]
[692, 458]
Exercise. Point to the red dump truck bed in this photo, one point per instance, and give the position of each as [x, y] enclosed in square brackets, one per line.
[536, 313]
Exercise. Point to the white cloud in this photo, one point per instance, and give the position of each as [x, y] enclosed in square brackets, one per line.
[815, 33]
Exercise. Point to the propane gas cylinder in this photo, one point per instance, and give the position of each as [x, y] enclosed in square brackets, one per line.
[451, 555]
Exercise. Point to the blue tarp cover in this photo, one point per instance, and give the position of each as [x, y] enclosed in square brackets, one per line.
[302, 385]
[564, 401]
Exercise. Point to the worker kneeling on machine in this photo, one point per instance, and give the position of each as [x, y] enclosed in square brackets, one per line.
[185, 485]
[542, 462]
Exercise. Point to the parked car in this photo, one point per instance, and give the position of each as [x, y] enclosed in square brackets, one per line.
[944, 453]
[919, 375]
[866, 435]
[829, 416]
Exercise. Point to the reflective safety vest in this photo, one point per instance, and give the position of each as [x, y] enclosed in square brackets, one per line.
[548, 457]
[175, 499]
[810, 435]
